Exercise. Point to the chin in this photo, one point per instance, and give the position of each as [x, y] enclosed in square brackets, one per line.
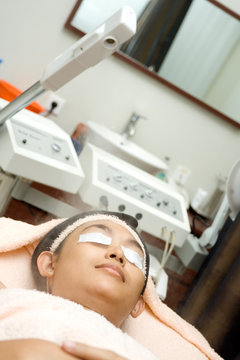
[109, 290]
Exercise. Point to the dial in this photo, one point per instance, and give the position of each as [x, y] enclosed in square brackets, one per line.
[117, 178]
[56, 148]
[148, 193]
[133, 186]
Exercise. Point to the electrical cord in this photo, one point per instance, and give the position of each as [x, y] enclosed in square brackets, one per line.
[170, 242]
[54, 104]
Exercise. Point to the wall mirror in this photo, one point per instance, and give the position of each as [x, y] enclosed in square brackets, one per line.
[192, 46]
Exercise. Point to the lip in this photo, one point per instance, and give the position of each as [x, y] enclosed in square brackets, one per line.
[113, 269]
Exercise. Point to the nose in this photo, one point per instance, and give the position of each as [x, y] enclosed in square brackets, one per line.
[115, 253]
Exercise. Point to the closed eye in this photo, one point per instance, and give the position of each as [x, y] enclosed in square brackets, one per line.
[135, 246]
[133, 257]
[96, 238]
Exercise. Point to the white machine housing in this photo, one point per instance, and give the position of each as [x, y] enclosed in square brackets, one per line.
[123, 187]
[90, 49]
[34, 147]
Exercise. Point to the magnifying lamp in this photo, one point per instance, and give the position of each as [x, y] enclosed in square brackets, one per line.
[88, 51]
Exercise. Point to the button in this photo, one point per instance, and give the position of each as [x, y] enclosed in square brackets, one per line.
[165, 202]
[24, 141]
[158, 204]
[138, 216]
[121, 207]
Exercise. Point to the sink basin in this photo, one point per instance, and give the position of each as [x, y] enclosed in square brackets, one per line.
[115, 143]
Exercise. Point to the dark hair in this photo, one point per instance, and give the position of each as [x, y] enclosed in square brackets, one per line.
[47, 241]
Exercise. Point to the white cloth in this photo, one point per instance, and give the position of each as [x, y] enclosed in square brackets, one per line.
[33, 314]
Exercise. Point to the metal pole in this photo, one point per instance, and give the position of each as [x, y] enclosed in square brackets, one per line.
[21, 101]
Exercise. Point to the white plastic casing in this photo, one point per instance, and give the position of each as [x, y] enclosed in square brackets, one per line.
[90, 49]
[192, 254]
[34, 147]
[123, 187]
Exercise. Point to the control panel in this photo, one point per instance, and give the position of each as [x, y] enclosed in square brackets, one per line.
[42, 142]
[120, 186]
[34, 147]
[139, 190]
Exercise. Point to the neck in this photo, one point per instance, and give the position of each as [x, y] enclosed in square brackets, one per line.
[109, 312]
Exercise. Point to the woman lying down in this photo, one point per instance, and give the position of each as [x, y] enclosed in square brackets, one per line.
[91, 271]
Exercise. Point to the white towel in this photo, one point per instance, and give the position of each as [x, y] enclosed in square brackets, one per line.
[158, 328]
[33, 314]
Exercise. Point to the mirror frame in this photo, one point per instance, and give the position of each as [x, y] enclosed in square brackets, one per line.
[155, 75]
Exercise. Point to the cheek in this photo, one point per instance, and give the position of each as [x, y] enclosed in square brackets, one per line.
[64, 276]
[69, 279]
[136, 278]
[75, 264]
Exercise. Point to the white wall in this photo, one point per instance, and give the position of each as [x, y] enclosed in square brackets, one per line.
[232, 5]
[32, 34]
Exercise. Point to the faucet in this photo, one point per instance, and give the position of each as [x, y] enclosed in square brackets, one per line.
[130, 128]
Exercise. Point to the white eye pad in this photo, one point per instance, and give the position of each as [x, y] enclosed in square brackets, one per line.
[99, 238]
[133, 257]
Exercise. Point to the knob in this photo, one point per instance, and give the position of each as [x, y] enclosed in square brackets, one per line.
[117, 178]
[55, 147]
[148, 193]
[133, 186]
[138, 216]
[165, 202]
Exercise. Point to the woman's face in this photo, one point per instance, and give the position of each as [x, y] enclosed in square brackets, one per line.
[99, 276]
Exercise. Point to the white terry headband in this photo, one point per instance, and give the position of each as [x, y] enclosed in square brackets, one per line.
[69, 229]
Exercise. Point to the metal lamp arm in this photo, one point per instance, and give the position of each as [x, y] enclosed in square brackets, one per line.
[86, 52]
